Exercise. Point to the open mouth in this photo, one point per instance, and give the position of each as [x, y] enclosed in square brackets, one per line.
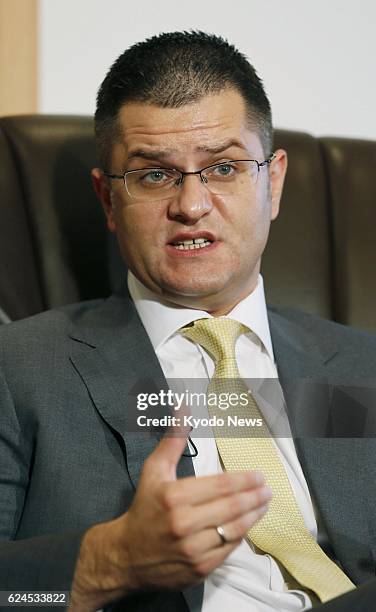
[189, 245]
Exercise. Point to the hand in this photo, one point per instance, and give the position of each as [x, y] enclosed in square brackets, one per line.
[169, 531]
[168, 537]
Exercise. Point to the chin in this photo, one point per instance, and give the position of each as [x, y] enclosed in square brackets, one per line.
[194, 286]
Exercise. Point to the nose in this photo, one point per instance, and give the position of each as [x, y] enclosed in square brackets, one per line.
[191, 202]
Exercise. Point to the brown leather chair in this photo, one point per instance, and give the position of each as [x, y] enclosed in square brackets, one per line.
[55, 249]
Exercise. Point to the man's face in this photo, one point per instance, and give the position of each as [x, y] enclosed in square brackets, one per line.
[216, 277]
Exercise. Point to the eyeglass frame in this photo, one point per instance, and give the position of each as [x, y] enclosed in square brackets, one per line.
[182, 174]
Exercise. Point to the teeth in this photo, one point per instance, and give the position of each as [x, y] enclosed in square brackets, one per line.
[189, 245]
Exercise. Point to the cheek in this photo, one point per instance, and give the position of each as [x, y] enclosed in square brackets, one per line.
[129, 234]
[250, 222]
[244, 216]
[138, 231]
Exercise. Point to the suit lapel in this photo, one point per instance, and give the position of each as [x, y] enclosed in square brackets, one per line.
[113, 355]
[332, 465]
[115, 359]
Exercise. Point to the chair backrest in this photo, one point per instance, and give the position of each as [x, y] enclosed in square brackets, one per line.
[55, 248]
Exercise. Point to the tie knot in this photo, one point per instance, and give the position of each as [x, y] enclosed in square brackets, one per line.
[218, 336]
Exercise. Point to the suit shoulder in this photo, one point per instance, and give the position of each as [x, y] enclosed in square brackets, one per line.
[50, 325]
[321, 328]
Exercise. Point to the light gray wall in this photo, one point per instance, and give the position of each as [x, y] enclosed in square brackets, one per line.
[317, 59]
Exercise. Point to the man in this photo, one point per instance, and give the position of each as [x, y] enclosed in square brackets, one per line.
[189, 183]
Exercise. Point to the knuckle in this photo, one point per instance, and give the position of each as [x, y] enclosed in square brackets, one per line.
[241, 526]
[169, 496]
[225, 484]
[177, 524]
[235, 504]
[202, 569]
[189, 551]
[239, 531]
[254, 500]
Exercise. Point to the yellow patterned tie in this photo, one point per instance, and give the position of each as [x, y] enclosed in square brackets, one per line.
[282, 531]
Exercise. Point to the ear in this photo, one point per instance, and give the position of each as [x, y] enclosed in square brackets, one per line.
[103, 191]
[277, 173]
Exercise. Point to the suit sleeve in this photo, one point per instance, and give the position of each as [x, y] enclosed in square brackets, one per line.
[38, 563]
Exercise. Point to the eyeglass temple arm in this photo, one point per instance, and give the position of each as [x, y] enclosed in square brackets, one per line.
[118, 176]
[269, 160]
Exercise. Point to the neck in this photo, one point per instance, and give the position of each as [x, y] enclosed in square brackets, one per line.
[210, 304]
[216, 305]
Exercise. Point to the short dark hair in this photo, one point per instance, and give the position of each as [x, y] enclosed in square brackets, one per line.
[174, 69]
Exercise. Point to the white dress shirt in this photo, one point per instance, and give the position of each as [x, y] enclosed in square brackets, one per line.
[247, 581]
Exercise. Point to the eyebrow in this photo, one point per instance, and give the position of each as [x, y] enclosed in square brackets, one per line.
[233, 142]
[157, 154]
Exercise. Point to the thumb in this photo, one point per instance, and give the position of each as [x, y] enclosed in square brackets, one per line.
[168, 452]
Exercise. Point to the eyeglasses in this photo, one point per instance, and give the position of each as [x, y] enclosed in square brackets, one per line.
[227, 178]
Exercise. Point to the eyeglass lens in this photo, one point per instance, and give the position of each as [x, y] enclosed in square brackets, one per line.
[221, 179]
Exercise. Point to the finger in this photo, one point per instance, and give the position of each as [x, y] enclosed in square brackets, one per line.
[221, 511]
[239, 527]
[195, 548]
[201, 545]
[196, 491]
[164, 459]
[213, 559]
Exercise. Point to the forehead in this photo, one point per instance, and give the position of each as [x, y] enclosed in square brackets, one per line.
[209, 122]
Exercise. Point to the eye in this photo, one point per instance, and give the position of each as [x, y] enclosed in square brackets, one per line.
[155, 176]
[225, 169]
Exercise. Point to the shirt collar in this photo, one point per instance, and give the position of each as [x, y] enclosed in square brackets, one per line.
[162, 319]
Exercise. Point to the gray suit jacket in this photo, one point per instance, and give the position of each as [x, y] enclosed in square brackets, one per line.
[68, 460]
